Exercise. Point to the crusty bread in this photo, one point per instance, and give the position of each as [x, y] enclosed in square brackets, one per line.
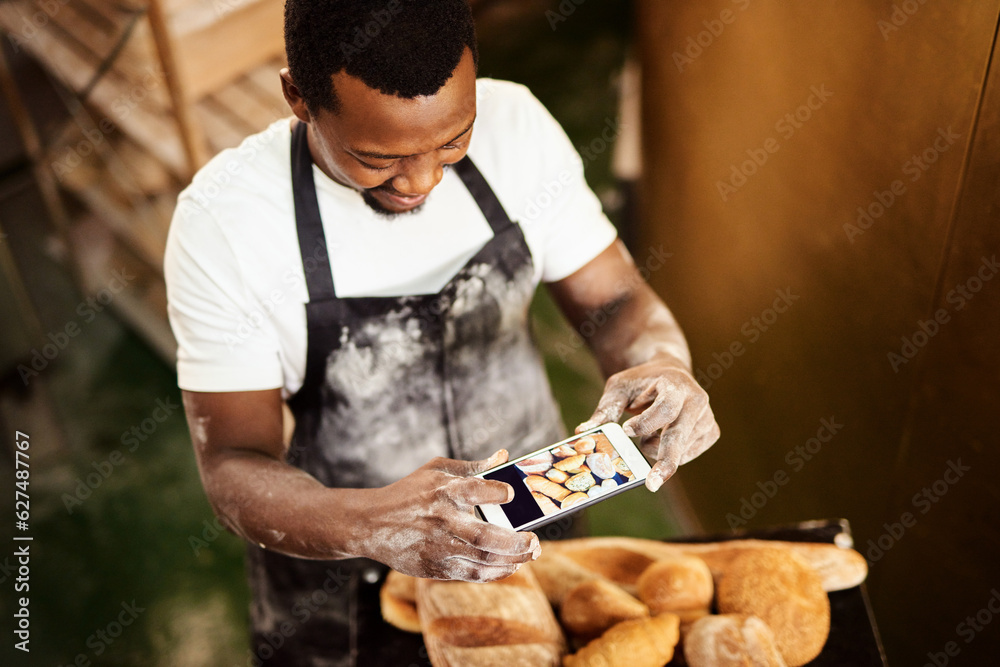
[780, 588]
[731, 640]
[596, 605]
[837, 567]
[682, 585]
[558, 575]
[398, 598]
[644, 642]
[508, 622]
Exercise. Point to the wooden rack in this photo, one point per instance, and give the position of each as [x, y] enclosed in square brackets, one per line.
[155, 88]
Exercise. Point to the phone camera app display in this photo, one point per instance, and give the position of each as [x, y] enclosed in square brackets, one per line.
[573, 472]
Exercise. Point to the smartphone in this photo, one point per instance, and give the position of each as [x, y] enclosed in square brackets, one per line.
[566, 477]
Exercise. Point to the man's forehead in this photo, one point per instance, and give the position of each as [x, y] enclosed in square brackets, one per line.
[369, 120]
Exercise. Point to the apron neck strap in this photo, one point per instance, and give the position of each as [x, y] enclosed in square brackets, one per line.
[485, 198]
[312, 242]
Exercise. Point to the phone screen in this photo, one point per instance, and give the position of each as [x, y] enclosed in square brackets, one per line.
[562, 477]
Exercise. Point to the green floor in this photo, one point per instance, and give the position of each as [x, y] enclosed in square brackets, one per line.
[120, 524]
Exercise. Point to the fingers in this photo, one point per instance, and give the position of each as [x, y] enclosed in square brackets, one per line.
[469, 468]
[611, 406]
[478, 536]
[674, 439]
[709, 436]
[460, 569]
[470, 491]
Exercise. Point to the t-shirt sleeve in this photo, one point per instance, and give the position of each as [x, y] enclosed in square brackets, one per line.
[563, 212]
[221, 347]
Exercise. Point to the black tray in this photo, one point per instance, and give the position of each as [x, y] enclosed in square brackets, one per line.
[854, 640]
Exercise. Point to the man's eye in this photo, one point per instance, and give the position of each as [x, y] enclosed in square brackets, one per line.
[373, 167]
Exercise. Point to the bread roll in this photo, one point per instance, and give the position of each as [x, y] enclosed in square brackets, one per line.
[574, 499]
[502, 623]
[557, 476]
[600, 464]
[545, 503]
[536, 465]
[682, 585]
[731, 640]
[644, 642]
[546, 487]
[570, 463]
[594, 606]
[585, 445]
[580, 482]
[781, 589]
[398, 600]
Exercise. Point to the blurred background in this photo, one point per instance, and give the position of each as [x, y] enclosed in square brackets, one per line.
[813, 189]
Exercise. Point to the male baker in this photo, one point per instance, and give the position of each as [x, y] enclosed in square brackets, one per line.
[371, 261]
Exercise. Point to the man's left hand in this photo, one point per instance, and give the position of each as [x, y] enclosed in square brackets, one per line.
[675, 423]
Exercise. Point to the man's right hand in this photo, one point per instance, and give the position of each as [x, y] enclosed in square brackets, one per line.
[423, 524]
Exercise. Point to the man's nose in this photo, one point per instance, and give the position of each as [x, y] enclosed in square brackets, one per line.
[421, 175]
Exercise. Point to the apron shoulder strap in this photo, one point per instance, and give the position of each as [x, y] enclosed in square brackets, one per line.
[309, 225]
[481, 191]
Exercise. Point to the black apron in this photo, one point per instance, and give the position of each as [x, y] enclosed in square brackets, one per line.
[390, 383]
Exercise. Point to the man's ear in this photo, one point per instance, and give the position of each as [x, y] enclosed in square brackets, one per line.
[293, 97]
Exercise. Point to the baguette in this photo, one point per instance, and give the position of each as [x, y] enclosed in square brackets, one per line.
[546, 487]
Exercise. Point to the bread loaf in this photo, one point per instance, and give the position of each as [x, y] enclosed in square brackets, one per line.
[398, 599]
[731, 640]
[781, 589]
[503, 623]
[644, 642]
[681, 585]
[594, 606]
[838, 568]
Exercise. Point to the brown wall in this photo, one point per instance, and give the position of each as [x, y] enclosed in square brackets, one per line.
[889, 95]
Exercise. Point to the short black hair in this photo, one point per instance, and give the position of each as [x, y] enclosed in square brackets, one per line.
[399, 47]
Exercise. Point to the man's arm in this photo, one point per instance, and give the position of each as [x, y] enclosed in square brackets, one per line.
[421, 525]
[644, 355]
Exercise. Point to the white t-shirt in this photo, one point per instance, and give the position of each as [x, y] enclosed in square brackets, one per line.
[234, 273]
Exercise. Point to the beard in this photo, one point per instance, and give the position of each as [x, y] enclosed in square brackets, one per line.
[376, 206]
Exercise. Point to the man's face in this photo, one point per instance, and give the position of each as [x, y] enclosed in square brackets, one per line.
[394, 150]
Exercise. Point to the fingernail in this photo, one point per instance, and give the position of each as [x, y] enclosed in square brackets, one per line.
[586, 426]
[654, 482]
[510, 493]
[536, 553]
[629, 429]
[535, 545]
